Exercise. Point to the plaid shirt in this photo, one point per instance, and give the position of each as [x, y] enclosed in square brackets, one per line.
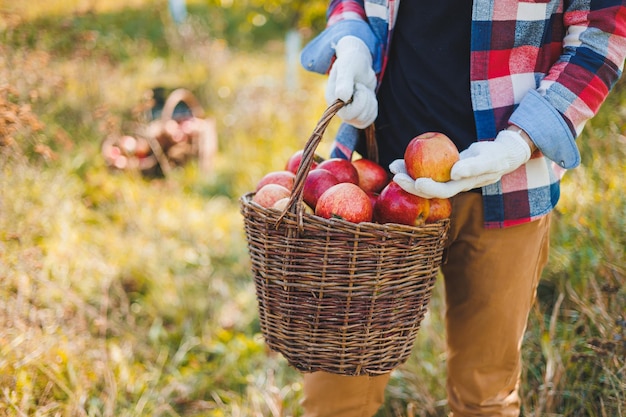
[543, 65]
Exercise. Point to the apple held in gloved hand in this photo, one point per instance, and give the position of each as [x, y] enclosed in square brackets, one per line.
[483, 163]
[430, 155]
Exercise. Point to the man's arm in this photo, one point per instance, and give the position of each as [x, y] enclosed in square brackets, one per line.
[594, 50]
[345, 18]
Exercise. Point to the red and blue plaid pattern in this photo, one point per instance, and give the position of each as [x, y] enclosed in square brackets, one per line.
[546, 65]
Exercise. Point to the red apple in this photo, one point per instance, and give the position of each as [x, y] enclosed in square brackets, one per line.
[373, 197]
[143, 148]
[111, 153]
[347, 201]
[294, 161]
[316, 182]
[431, 155]
[440, 208]
[282, 205]
[121, 162]
[372, 176]
[270, 194]
[342, 168]
[284, 178]
[394, 205]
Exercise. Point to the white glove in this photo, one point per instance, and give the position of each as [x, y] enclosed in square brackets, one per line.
[481, 164]
[352, 76]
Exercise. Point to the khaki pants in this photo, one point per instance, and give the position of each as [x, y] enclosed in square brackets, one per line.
[491, 277]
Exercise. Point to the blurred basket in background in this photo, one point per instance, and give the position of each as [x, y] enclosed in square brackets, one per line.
[171, 139]
[337, 296]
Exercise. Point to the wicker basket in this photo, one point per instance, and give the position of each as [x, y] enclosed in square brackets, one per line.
[337, 296]
[166, 142]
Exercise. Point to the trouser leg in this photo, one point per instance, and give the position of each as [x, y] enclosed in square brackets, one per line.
[491, 276]
[331, 395]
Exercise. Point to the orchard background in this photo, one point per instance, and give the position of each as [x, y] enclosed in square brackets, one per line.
[121, 296]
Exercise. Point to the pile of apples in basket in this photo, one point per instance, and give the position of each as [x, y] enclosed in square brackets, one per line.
[361, 190]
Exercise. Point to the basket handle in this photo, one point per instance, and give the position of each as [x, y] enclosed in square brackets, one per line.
[175, 97]
[295, 204]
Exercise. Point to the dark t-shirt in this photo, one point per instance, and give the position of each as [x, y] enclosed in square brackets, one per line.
[426, 84]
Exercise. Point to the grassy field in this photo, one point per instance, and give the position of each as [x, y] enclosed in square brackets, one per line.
[121, 296]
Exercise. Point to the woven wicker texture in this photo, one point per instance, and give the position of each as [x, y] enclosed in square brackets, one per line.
[337, 296]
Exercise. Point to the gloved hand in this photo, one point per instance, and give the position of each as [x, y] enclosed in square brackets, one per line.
[352, 76]
[481, 164]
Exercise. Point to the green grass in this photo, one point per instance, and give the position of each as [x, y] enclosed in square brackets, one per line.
[121, 296]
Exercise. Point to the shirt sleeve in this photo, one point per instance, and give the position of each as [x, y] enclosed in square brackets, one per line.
[594, 49]
[344, 18]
